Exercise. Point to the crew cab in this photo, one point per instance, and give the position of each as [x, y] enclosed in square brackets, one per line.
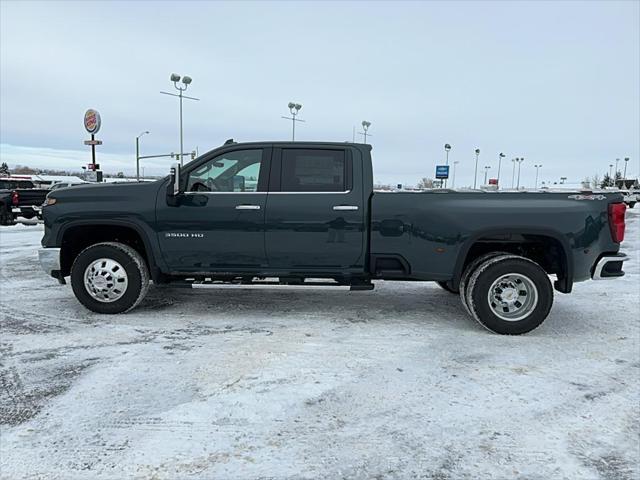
[304, 215]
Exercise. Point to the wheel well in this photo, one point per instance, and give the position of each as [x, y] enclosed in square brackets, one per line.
[546, 251]
[78, 238]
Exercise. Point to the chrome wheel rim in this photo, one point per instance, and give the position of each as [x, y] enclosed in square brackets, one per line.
[105, 280]
[512, 297]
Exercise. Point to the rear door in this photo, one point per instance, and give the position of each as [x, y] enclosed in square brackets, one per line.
[315, 210]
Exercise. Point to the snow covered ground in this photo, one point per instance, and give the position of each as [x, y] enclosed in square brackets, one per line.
[394, 383]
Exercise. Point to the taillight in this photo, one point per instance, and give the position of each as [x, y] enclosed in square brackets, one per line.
[15, 198]
[616, 221]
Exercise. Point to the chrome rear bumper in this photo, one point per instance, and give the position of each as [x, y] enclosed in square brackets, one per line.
[609, 267]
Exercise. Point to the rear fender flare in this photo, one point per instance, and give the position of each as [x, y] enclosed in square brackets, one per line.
[563, 286]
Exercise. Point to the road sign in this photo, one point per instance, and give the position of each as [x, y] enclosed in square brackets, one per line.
[93, 142]
[92, 166]
[92, 121]
[442, 171]
[493, 181]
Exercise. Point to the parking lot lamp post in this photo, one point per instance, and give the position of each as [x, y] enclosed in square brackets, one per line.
[186, 81]
[537, 171]
[475, 175]
[520, 160]
[486, 171]
[447, 147]
[138, 154]
[294, 108]
[626, 160]
[610, 168]
[453, 178]
[365, 130]
[513, 175]
[500, 157]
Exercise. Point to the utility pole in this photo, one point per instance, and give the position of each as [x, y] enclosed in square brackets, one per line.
[294, 108]
[475, 175]
[186, 81]
[138, 155]
[513, 175]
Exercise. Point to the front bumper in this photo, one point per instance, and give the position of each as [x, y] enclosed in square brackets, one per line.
[50, 262]
[609, 267]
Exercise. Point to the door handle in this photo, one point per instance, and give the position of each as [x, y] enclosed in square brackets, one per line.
[247, 207]
[345, 207]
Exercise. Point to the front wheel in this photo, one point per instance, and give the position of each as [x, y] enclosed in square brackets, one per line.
[509, 295]
[109, 278]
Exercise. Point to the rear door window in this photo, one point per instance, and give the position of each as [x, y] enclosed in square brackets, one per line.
[307, 170]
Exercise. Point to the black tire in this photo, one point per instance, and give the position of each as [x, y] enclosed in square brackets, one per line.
[534, 286]
[464, 280]
[447, 286]
[133, 264]
[6, 217]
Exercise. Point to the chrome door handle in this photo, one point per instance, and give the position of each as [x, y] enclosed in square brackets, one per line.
[247, 207]
[345, 207]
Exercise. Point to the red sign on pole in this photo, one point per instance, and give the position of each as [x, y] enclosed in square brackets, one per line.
[493, 181]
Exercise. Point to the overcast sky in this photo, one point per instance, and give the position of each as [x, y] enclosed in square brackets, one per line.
[557, 83]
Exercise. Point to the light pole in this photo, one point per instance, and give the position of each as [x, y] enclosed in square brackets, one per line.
[610, 167]
[138, 154]
[447, 147]
[500, 157]
[537, 170]
[486, 171]
[562, 180]
[513, 174]
[186, 81]
[294, 108]
[453, 178]
[475, 175]
[519, 160]
[626, 160]
[365, 130]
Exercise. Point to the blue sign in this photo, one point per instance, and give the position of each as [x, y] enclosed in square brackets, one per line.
[442, 171]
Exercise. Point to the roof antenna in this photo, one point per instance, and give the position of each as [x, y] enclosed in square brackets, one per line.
[229, 142]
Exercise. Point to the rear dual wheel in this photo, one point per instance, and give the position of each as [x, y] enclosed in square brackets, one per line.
[507, 294]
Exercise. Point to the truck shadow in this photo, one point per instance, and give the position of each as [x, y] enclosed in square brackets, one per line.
[416, 303]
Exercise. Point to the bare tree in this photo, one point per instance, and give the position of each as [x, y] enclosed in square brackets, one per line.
[425, 183]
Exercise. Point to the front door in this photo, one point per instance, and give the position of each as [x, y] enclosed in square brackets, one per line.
[218, 223]
[315, 210]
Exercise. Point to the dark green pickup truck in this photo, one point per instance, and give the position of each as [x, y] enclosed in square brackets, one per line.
[304, 215]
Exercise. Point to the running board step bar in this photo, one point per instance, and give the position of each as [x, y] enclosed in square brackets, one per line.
[280, 286]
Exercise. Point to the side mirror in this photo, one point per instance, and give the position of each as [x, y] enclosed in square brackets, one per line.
[175, 180]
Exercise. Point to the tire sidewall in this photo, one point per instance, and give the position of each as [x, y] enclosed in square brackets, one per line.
[134, 284]
[469, 271]
[484, 277]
